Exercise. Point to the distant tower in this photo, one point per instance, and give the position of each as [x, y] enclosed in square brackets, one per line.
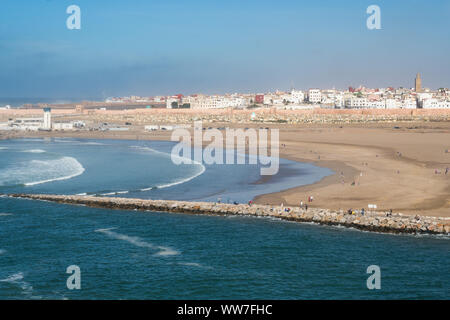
[47, 118]
[418, 83]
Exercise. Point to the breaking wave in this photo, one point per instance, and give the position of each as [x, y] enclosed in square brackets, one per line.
[34, 151]
[161, 251]
[35, 172]
[194, 264]
[17, 279]
[174, 183]
[114, 193]
[77, 142]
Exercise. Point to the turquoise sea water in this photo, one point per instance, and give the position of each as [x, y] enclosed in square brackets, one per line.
[151, 255]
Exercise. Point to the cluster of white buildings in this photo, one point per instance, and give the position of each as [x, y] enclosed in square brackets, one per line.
[166, 127]
[352, 98]
[40, 123]
[359, 98]
[216, 101]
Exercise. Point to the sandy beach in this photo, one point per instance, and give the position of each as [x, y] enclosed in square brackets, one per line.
[397, 166]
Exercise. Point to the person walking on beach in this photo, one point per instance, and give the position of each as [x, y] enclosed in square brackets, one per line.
[301, 204]
[306, 207]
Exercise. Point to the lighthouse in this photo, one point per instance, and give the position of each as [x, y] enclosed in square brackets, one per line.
[47, 119]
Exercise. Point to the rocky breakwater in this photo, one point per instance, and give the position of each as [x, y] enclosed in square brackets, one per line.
[373, 221]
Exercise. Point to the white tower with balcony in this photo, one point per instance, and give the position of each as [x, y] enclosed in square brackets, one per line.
[47, 119]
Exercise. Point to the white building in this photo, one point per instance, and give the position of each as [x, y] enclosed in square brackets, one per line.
[61, 126]
[435, 104]
[338, 101]
[356, 103]
[169, 102]
[314, 95]
[409, 104]
[32, 124]
[47, 119]
[268, 99]
[216, 102]
[392, 104]
[297, 96]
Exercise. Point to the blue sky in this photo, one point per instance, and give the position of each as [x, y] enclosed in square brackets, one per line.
[167, 47]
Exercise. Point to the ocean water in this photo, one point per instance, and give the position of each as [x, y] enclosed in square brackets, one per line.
[20, 101]
[153, 255]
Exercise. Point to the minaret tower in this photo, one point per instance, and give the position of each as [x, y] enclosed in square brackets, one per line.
[418, 83]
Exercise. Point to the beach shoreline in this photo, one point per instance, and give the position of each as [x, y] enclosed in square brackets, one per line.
[376, 164]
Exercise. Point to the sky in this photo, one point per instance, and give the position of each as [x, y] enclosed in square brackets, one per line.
[140, 47]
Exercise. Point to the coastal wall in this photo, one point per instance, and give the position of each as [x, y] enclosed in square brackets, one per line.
[371, 221]
[267, 115]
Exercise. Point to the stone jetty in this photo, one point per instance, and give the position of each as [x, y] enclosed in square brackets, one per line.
[370, 221]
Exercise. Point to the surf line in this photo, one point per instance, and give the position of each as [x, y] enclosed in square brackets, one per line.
[162, 251]
[78, 167]
[174, 183]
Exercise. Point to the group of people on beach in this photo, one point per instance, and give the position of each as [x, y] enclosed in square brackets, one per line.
[355, 212]
[447, 171]
[305, 205]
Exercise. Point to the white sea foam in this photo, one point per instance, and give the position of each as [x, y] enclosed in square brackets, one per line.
[76, 142]
[67, 163]
[171, 184]
[3, 214]
[161, 251]
[114, 193]
[94, 143]
[3, 148]
[2, 251]
[17, 279]
[40, 171]
[64, 141]
[34, 151]
[13, 278]
[167, 185]
[33, 139]
[194, 264]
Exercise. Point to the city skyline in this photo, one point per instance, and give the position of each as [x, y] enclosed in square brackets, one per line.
[161, 49]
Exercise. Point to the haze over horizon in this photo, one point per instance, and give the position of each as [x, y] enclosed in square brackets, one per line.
[158, 48]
